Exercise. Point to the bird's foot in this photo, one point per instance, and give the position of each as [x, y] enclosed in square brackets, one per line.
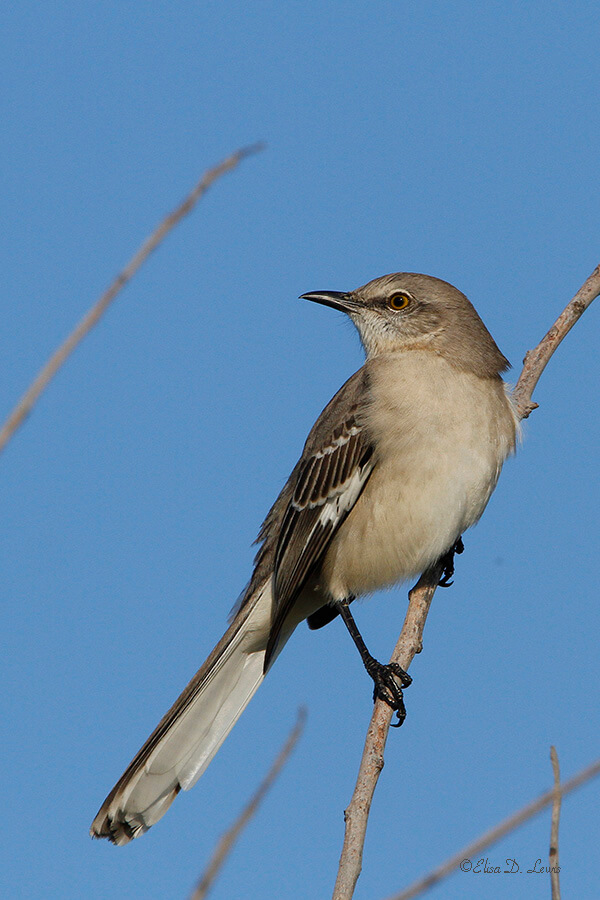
[389, 681]
[448, 563]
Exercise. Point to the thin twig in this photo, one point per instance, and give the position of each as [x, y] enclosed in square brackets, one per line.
[420, 598]
[554, 864]
[535, 360]
[356, 815]
[228, 839]
[495, 834]
[27, 401]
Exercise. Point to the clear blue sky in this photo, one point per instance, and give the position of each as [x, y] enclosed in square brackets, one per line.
[457, 139]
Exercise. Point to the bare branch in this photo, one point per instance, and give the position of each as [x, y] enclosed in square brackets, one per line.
[495, 834]
[228, 839]
[554, 865]
[536, 360]
[356, 816]
[27, 401]
[420, 598]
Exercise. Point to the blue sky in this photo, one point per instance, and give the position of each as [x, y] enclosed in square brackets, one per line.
[460, 140]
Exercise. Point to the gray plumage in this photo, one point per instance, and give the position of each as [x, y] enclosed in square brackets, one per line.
[401, 461]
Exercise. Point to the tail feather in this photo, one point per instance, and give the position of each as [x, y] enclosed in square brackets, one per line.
[186, 739]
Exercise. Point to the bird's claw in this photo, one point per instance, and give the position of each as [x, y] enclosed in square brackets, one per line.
[389, 681]
[448, 562]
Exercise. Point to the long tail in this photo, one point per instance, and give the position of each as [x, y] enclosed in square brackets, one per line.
[186, 739]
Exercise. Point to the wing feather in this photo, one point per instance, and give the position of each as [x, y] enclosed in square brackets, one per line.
[328, 484]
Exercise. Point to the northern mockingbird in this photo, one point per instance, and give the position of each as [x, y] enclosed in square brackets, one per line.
[397, 466]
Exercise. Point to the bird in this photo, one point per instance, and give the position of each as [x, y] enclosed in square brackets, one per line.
[400, 463]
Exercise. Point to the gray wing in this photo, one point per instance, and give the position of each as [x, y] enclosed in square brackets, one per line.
[330, 477]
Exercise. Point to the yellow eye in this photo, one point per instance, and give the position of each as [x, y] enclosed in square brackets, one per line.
[398, 301]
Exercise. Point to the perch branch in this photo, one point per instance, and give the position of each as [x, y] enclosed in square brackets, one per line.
[357, 813]
[28, 400]
[228, 839]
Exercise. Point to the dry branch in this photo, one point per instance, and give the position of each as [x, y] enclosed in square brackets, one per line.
[554, 864]
[228, 839]
[536, 360]
[27, 401]
[495, 834]
[357, 813]
[356, 816]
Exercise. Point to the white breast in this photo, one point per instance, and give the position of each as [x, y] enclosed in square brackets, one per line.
[441, 439]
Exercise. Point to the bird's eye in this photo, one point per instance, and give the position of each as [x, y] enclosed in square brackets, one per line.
[398, 301]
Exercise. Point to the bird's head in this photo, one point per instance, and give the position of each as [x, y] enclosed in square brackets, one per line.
[407, 311]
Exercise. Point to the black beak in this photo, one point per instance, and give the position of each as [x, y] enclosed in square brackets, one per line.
[335, 299]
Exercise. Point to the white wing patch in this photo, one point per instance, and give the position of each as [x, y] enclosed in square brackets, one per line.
[339, 506]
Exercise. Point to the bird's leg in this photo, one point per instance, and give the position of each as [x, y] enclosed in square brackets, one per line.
[448, 562]
[385, 677]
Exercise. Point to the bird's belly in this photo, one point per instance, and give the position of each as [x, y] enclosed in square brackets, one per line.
[411, 512]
